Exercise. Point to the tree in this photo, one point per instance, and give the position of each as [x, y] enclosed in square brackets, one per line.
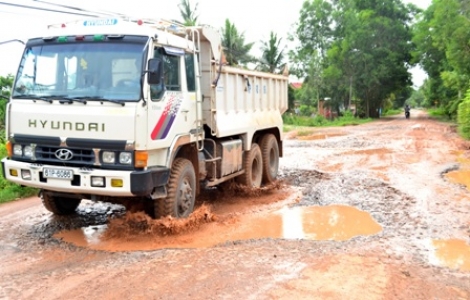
[442, 36]
[235, 49]
[5, 86]
[272, 54]
[187, 13]
[359, 47]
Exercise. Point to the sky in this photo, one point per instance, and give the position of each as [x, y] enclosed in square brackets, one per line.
[256, 18]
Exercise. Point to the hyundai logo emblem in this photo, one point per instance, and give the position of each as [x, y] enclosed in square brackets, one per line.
[64, 154]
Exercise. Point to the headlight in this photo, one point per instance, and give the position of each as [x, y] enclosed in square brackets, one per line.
[108, 157]
[18, 150]
[28, 151]
[125, 158]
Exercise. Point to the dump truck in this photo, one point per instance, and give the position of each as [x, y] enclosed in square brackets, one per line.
[121, 110]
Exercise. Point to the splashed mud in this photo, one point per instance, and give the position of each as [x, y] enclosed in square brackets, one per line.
[204, 229]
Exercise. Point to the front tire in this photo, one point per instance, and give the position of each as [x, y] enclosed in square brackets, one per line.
[270, 154]
[253, 165]
[59, 205]
[181, 196]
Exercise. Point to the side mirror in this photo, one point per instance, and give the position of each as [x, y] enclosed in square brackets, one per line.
[155, 71]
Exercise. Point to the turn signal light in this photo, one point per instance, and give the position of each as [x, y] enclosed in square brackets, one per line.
[9, 149]
[141, 158]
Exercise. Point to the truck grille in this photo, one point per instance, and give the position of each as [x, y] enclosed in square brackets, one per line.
[80, 156]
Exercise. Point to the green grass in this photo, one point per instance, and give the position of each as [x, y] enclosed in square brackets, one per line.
[393, 112]
[15, 192]
[439, 114]
[302, 123]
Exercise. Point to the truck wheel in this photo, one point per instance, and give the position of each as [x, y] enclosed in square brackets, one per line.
[179, 202]
[253, 165]
[270, 154]
[59, 205]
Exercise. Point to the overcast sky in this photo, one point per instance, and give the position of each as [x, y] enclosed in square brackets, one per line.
[256, 18]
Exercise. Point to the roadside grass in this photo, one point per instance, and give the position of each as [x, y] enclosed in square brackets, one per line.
[305, 125]
[440, 115]
[392, 112]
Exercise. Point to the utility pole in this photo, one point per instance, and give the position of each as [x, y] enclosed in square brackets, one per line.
[350, 92]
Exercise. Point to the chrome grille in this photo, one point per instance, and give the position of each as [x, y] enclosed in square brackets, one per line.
[80, 156]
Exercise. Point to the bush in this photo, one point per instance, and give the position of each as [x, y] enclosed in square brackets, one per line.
[463, 116]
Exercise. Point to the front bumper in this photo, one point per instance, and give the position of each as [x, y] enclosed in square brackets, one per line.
[134, 183]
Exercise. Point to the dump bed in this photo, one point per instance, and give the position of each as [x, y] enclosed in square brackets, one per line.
[235, 100]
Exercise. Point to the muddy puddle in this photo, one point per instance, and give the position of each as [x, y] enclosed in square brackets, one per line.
[203, 229]
[320, 136]
[460, 177]
[454, 254]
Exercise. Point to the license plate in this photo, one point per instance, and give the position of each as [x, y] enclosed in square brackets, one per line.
[58, 173]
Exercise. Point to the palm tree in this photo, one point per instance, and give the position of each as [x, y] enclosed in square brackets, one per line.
[272, 55]
[187, 13]
[235, 49]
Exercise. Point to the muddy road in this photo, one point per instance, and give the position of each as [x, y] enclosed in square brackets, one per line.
[377, 211]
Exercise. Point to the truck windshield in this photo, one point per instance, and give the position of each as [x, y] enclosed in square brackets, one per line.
[109, 71]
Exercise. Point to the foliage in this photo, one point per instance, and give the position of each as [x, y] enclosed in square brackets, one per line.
[5, 86]
[320, 121]
[272, 56]
[357, 49]
[463, 119]
[392, 112]
[441, 37]
[187, 13]
[235, 49]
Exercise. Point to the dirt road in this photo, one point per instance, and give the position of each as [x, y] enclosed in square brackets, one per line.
[377, 211]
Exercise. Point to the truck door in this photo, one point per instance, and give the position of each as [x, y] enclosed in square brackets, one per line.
[171, 111]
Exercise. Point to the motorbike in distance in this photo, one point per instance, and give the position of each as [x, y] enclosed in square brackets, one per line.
[407, 111]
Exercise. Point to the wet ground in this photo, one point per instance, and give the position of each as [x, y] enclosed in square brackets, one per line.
[376, 211]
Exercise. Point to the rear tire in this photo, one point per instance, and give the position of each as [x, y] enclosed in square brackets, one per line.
[59, 205]
[270, 154]
[253, 165]
[181, 196]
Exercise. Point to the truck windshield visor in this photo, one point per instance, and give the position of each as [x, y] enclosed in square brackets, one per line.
[108, 70]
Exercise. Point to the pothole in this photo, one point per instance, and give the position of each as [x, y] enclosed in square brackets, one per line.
[136, 232]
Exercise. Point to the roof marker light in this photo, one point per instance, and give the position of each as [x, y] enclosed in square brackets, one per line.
[80, 38]
[98, 37]
[63, 25]
[62, 39]
[140, 22]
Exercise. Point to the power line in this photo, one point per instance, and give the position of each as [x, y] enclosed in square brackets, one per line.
[48, 9]
[77, 8]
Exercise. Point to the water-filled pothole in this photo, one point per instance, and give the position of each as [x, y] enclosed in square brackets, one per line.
[460, 177]
[311, 223]
[453, 253]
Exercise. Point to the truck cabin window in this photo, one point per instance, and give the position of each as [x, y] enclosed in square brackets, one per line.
[81, 70]
[171, 73]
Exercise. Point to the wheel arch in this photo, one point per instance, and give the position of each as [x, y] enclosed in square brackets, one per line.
[275, 131]
[184, 148]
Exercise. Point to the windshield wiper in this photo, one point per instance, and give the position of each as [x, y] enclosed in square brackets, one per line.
[122, 103]
[71, 100]
[34, 98]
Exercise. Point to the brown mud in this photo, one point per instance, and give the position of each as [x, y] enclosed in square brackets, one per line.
[374, 213]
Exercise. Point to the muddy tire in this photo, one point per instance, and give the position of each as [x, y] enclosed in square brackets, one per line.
[179, 202]
[253, 166]
[270, 154]
[59, 205]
